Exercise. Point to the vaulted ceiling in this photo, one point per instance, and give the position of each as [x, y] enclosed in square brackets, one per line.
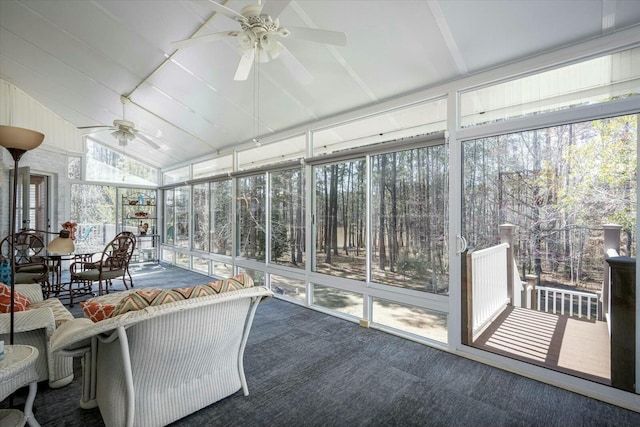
[78, 57]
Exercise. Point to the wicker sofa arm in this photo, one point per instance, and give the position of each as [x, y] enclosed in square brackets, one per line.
[29, 320]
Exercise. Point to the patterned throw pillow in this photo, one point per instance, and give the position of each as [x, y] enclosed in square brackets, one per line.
[143, 298]
[239, 281]
[96, 311]
[21, 302]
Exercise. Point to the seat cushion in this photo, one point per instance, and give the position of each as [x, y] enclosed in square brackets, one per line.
[94, 274]
[60, 312]
[30, 277]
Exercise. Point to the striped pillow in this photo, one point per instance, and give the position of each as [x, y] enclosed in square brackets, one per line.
[153, 297]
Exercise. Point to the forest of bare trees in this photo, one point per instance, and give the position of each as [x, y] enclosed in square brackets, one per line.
[559, 186]
[408, 218]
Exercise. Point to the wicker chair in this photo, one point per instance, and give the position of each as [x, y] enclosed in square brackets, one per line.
[113, 263]
[34, 327]
[30, 264]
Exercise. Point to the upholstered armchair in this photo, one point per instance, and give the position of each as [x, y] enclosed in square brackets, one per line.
[35, 326]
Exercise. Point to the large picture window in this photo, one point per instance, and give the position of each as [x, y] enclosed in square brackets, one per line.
[340, 219]
[201, 217]
[251, 217]
[287, 217]
[558, 186]
[221, 217]
[409, 219]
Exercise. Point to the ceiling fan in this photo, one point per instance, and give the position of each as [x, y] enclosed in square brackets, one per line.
[258, 37]
[123, 130]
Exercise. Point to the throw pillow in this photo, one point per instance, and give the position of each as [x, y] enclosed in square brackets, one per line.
[96, 311]
[234, 283]
[21, 302]
[143, 298]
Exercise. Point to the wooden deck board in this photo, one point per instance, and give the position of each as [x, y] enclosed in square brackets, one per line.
[577, 347]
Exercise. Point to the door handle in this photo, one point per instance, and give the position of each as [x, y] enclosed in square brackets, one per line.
[462, 244]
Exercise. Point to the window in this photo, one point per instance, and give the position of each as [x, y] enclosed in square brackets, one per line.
[251, 217]
[401, 123]
[287, 286]
[176, 175]
[169, 217]
[346, 302]
[182, 200]
[201, 217]
[415, 320]
[221, 217]
[212, 167]
[558, 186]
[273, 153]
[340, 219]
[93, 207]
[74, 167]
[594, 81]
[409, 219]
[104, 164]
[287, 217]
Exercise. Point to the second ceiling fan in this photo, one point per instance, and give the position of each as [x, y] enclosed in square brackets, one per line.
[259, 36]
[123, 130]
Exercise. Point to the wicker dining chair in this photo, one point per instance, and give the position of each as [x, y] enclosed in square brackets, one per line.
[31, 267]
[113, 263]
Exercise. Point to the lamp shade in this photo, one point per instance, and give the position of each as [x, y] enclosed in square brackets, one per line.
[19, 138]
[61, 245]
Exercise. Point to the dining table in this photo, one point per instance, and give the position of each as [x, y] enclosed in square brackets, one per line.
[60, 281]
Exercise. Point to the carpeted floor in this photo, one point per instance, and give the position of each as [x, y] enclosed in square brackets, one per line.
[305, 368]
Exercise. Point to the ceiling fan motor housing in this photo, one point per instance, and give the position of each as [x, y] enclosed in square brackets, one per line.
[258, 33]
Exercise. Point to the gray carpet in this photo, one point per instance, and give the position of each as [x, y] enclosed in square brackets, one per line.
[305, 368]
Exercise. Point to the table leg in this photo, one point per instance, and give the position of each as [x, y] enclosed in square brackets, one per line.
[28, 407]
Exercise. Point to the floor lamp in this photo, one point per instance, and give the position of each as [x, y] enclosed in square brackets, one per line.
[17, 141]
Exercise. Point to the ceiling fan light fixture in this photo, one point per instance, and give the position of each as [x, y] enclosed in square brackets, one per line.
[122, 137]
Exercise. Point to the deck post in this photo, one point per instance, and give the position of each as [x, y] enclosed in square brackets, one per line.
[506, 236]
[611, 243]
[623, 322]
[467, 298]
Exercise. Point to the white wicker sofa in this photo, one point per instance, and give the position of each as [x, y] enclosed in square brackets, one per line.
[35, 326]
[155, 365]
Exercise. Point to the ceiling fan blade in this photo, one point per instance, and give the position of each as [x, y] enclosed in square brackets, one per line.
[274, 8]
[319, 36]
[146, 140]
[244, 67]
[203, 39]
[94, 127]
[295, 67]
[92, 130]
[223, 10]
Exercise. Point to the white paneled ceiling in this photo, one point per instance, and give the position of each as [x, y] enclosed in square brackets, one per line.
[78, 57]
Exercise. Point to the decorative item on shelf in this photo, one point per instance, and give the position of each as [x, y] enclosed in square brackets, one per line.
[133, 202]
[140, 199]
[148, 202]
[143, 228]
[141, 214]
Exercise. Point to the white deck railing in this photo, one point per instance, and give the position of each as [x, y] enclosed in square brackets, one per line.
[489, 278]
[572, 303]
